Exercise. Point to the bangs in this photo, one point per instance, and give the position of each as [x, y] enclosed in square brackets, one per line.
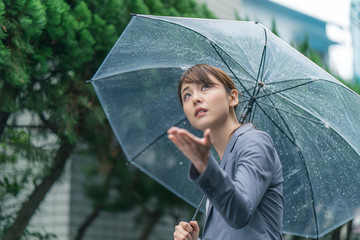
[197, 77]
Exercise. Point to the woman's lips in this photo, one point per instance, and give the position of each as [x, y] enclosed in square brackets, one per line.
[200, 111]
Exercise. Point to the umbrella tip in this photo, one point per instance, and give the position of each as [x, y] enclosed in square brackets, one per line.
[133, 14]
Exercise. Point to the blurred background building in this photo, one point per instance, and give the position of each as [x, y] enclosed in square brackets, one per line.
[355, 31]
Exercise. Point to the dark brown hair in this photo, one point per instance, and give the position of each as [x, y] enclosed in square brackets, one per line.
[199, 74]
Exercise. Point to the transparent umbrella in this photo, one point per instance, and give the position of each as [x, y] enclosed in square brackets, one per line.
[312, 118]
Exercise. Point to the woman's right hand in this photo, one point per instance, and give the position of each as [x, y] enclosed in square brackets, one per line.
[197, 150]
[187, 231]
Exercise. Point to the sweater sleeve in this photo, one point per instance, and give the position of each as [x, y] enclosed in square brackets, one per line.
[237, 197]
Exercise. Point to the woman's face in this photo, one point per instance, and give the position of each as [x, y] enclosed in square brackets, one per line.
[206, 105]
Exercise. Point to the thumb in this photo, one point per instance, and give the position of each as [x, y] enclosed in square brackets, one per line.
[195, 226]
[207, 137]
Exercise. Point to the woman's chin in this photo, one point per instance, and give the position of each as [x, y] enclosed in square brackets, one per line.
[201, 127]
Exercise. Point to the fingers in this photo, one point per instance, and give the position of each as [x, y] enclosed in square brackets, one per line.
[195, 226]
[183, 231]
[207, 137]
[182, 136]
[196, 149]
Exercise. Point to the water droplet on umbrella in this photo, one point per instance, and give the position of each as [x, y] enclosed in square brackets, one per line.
[327, 125]
[184, 68]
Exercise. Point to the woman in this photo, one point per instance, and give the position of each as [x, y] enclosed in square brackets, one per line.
[245, 190]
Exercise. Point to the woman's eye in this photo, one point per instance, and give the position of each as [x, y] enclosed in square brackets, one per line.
[205, 86]
[186, 96]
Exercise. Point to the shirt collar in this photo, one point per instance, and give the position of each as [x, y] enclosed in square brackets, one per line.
[230, 146]
[238, 132]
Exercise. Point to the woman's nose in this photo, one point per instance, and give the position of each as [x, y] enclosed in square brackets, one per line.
[196, 98]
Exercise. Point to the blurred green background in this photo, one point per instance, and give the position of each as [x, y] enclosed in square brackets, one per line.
[62, 173]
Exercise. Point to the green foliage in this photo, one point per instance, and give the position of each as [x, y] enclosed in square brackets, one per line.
[309, 52]
[274, 28]
[48, 49]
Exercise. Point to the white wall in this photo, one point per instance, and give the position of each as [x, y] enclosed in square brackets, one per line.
[224, 9]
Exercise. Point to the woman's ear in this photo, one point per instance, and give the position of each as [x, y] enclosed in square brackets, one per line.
[234, 98]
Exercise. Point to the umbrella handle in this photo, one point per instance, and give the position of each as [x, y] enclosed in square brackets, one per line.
[198, 208]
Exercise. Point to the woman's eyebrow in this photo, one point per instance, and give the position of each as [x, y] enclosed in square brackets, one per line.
[185, 89]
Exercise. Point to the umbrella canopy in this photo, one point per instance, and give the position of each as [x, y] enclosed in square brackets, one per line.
[312, 118]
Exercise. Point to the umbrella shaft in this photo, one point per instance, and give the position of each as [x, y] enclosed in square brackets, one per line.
[198, 208]
[251, 103]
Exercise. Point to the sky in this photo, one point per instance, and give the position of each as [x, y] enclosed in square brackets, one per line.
[336, 13]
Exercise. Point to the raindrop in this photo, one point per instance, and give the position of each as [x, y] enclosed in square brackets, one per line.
[180, 163]
[327, 125]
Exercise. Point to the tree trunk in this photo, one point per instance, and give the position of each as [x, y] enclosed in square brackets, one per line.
[336, 234]
[349, 230]
[151, 220]
[29, 207]
[3, 119]
[95, 213]
[88, 221]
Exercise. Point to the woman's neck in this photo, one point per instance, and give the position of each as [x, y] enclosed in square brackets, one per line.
[221, 135]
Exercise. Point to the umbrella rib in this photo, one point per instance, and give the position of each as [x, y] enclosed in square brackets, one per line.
[313, 80]
[252, 114]
[262, 62]
[247, 90]
[294, 79]
[213, 45]
[276, 125]
[303, 160]
[243, 80]
[285, 89]
[318, 117]
[291, 113]
[305, 167]
[153, 142]
[281, 117]
[258, 84]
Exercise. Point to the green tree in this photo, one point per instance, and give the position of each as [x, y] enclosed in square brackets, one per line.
[48, 49]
